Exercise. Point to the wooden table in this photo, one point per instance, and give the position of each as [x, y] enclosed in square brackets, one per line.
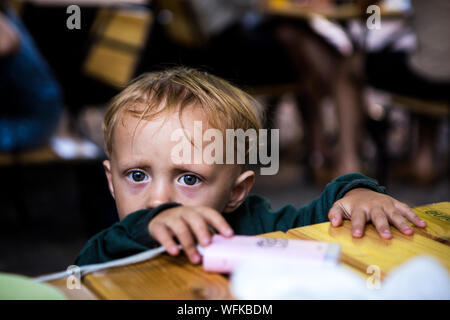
[168, 277]
[329, 10]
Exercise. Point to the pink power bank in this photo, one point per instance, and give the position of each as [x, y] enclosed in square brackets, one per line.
[223, 254]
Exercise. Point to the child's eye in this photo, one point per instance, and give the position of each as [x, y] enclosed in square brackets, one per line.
[137, 176]
[189, 180]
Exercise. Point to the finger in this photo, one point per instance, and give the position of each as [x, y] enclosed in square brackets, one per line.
[336, 215]
[397, 219]
[165, 237]
[184, 236]
[410, 214]
[216, 219]
[199, 227]
[380, 221]
[358, 223]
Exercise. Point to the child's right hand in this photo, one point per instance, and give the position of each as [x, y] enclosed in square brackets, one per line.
[182, 223]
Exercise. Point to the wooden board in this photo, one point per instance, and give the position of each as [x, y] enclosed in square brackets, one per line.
[129, 27]
[119, 37]
[112, 66]
[308, 9]
[83, 293]
[165, 277]
[437, 217]
[43, 154]
[372, 249]
[276, 234]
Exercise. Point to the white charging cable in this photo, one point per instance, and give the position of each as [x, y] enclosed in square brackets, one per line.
[84, 270]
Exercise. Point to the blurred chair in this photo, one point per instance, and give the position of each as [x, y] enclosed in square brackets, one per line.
[439, 109]
[180, 23]
[427, 116]
[118, 36]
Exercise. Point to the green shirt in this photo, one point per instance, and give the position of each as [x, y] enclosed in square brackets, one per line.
[254, 216]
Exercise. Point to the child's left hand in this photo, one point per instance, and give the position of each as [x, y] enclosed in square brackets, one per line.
[363, 205]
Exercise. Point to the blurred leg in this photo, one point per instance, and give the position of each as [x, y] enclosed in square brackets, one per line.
[347, 92]
[325, 72]
[423, 166]
[314, 61]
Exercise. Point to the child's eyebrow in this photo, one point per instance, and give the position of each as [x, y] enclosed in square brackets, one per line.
[133, 164]
[204, 171]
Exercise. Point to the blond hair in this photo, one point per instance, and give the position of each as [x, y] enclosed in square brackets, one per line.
[151, 94]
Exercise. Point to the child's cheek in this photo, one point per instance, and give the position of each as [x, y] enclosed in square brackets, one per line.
[189, 192]
[134, 189]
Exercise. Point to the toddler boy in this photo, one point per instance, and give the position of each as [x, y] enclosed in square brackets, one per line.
[162, 201]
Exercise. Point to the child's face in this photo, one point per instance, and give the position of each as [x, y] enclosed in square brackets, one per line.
[142, 175]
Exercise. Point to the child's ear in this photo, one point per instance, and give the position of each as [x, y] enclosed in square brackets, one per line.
[241, 189]
[107, 167]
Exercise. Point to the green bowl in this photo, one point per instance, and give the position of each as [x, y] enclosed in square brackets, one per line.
[17, 287]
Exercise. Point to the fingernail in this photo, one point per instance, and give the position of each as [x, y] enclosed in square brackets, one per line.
[174, 249]
[357, 232]
[386, 231]
[205, 241]
[196, 258]
[228, 232]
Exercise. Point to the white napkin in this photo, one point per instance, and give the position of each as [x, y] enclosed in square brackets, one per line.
[422, 277]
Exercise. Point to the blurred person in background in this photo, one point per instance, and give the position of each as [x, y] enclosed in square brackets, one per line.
[397, 58]
[30, 98]
[423, 73]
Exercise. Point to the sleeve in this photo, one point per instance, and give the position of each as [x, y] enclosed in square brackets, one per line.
[262, 219]
[125, 238]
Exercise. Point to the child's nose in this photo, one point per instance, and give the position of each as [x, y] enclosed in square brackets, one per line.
[159, 193]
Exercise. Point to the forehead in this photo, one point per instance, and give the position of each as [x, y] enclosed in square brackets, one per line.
[131, 125]
[157, 137]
